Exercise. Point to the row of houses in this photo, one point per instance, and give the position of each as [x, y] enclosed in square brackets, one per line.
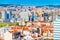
[11, 13]
[17, 13]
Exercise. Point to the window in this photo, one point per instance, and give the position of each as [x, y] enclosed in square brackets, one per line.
[7, 16]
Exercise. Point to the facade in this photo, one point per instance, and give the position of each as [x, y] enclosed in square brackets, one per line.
[6, 16]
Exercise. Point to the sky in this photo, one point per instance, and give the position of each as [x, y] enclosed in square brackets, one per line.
[31, 2]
